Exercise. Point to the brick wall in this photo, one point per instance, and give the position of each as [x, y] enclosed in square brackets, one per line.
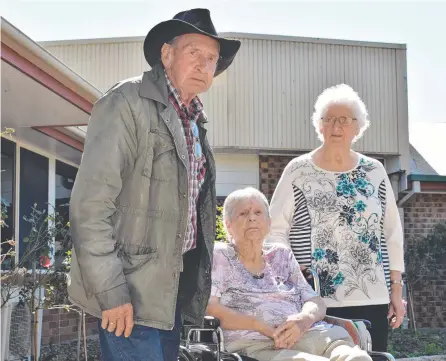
[271, 168]
[421, 213]
[59, 325]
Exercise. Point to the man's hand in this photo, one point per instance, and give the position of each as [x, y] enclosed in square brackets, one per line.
[397, 309]
[118, 320]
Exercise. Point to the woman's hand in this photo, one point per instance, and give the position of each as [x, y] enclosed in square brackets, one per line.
[290, 332]
[397, 309]
[265, 329]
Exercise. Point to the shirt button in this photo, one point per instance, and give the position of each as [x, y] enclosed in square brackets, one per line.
[184, 195]
[179, 235]
[183, 157]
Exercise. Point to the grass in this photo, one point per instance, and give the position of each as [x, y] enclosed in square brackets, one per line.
[425, 342]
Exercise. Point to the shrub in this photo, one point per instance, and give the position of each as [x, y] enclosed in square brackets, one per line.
[220, 233]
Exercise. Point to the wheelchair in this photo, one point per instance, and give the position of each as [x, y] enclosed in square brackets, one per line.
[207, 343]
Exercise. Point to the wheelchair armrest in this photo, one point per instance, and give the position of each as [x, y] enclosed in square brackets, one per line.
[381, 356]
[211, 322]
[367, 323]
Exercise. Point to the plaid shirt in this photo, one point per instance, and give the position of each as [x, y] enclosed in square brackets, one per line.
[196, 165]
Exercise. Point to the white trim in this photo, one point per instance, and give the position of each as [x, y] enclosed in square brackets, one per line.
[52, 197]
[17, 201]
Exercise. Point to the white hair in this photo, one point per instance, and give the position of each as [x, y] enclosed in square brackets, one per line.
[341, 94]
[238, 196]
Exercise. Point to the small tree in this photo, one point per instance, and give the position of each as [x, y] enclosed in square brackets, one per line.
[37, 282]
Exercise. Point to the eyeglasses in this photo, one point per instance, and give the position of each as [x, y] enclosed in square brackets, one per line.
[197, 146]
[341, 120]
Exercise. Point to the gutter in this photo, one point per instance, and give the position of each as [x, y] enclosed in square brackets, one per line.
[78, 133]
[416, 188]
[23, 40]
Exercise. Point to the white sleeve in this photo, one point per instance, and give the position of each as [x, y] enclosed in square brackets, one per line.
[393, 232]
[281, 208]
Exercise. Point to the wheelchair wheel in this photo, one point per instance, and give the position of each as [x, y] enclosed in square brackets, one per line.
[185, 355]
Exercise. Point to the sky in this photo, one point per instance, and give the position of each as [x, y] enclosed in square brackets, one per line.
[418, 24]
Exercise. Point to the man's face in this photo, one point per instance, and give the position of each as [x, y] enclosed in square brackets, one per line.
[191, 62]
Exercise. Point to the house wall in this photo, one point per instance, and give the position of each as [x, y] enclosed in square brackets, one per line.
[271, 168]
[421, 213]
[60, 326]
[236, 171]
[264, 101]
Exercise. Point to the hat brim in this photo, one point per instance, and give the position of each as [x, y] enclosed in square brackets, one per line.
[167, 30]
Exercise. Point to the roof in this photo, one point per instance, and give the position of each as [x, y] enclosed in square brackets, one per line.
[421, 170]
[25, 47]
[251, 36]
[419, 165]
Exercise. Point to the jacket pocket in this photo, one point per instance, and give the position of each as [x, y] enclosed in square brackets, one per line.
[133, 262]
[160, 158]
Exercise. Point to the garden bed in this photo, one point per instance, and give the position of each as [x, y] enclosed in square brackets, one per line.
[406, 343]
[402, 344]
[67, 351]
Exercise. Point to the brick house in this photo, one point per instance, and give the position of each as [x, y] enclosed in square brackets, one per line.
[252, 144]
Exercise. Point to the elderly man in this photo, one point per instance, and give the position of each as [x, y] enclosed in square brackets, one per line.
[143, 204]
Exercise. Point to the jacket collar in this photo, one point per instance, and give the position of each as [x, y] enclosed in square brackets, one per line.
[153, 86]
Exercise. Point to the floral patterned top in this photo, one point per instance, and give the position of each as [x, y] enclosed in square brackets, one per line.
[280, 293]
[345, 225]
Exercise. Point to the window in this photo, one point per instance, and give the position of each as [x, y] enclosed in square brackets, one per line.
[65, 176]
[34, 170]
[7, 198]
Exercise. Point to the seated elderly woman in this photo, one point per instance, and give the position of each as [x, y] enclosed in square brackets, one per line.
[266, 308]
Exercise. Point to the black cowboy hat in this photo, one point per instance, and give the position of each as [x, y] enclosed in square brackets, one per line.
[194, 21]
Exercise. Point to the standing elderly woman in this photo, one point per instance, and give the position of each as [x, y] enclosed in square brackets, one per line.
[266, 308]
[337, 211]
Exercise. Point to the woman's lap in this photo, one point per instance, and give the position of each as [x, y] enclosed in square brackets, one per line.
[315, 345]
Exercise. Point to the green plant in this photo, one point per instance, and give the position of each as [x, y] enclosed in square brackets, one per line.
[32, 271]
[432, 349]
[406, 343]
[424, 255]
[33, 279]
[220, 233]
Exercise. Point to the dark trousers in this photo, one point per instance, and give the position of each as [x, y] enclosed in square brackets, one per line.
[376, 314]
[144, 343]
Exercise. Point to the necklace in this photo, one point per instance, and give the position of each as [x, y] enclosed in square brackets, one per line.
[255, 275]
[258, 276]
